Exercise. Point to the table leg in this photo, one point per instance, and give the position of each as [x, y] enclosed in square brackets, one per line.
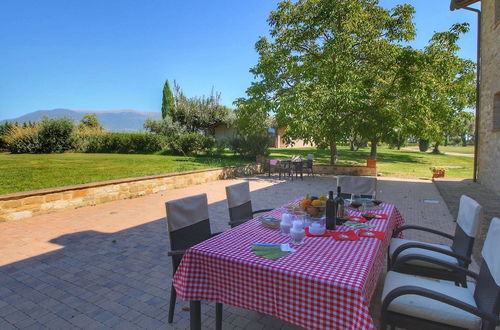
[218, 316]
[195, 314]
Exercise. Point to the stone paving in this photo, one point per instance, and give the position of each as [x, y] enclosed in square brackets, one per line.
[452, 189]
[106, 266]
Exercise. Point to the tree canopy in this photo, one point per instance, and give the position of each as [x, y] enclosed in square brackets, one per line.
[331, 69]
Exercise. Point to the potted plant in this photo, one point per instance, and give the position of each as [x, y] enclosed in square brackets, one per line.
[437, 172]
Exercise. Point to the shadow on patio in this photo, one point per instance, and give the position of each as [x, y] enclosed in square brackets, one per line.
[122, 279]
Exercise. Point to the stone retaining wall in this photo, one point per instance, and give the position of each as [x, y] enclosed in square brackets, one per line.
[345, 170]
[30, 203]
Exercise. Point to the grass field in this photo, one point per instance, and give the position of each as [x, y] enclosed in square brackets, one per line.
[391, 162]
[456, 149]
[29, 172]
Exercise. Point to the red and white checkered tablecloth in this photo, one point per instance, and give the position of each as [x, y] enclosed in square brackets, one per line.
[326, 284]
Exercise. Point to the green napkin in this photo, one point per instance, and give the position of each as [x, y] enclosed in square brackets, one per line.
[269, 251]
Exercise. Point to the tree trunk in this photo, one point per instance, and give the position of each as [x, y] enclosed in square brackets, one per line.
[333, 152]
[351, 145]
[373, 149]
[436, 148]
[464, 140]
[445, 141]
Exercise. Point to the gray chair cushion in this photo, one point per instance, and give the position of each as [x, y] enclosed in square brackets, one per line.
[362, 185]
[238, 194]
[397, 242]
[429, 309]
[490, 250]
[186, 211]
[469, 215]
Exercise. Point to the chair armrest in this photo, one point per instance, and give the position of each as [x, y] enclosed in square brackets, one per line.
[400, 262]
[415, 290]
[262, 211]
[423, 246]
[429, 230]
[176, 253]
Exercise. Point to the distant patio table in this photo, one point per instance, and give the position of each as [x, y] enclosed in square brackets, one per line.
[325, 284]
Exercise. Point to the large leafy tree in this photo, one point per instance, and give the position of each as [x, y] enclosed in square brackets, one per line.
[444, 87]
[167, 104]
[312, 73]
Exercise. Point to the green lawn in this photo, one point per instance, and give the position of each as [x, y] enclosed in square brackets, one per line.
[29, 172]
[457, 149]
[390, 162]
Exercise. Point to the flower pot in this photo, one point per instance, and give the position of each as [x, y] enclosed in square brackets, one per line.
[371, 162]
[438, 173]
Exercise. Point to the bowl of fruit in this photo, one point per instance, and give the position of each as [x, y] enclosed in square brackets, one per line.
[314, 206]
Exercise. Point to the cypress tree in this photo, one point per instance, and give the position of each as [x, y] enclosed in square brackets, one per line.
[167, 104]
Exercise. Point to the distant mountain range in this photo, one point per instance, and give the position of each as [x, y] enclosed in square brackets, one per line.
[112, 120]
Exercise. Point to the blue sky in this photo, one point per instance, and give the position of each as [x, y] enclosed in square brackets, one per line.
[109, 55]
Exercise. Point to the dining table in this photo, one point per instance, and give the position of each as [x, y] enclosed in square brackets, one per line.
[325, 284]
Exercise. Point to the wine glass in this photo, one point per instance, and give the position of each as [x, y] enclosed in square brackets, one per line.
[355, 201]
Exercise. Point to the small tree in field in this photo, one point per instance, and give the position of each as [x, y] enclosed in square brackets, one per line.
[90, 121]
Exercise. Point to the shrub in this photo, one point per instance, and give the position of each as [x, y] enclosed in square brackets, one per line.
[188, 143]
[423, 145]
[83, 136]
[55, 134]
[251, 146]
[23, 139]
[221, 145]
[126, 142]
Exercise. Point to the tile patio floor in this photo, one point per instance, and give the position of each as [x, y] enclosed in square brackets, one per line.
[106, 266]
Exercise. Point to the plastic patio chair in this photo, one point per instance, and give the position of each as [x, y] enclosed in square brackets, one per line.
[240, 204]
[459, 253]
[188, 224]
[414, 302]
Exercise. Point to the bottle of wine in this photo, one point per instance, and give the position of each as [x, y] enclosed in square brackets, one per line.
[339, 204]
[330, 212]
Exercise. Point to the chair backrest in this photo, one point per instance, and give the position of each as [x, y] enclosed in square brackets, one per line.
[187, 223]
[469, 216]
[364, 185]
[487, 292]
[296, 158]
[239, 202]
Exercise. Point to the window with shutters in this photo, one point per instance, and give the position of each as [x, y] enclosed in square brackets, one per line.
[496, 112]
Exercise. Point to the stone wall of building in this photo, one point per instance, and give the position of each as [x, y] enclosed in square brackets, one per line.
[30, 203]
[489, 140]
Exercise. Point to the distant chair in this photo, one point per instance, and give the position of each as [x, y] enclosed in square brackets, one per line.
[297, 167]
[240, 204]
[365, 186]
[409, 252]
[187, 224]
[309, 164]
[414, 302]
